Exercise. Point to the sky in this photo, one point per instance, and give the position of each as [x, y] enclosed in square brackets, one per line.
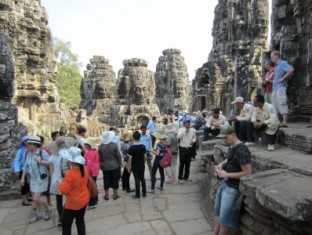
[124, 29]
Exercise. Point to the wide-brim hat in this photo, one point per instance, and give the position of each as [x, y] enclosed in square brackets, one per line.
[170, 128]
[90, 141]
[73, 154]
[126, 136]
[62, 142]
[22, 141]
[227, 130]
[107, 137]
[160, 134]
[33, 140]
[238, 99]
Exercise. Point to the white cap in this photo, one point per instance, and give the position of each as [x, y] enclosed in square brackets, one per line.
[238, 99]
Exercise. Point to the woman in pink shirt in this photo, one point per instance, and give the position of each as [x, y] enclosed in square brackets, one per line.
[93, 165]
[268, 81]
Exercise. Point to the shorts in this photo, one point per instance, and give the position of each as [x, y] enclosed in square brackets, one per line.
[279, 100]
[228, 204]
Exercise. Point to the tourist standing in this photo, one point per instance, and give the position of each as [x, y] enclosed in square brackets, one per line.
[172, 143]
[242, 120]
[136, 164]
[75, 189]
[58, 169]
[18, 166]
[279, 97]
[187, 137]
[159, 151]
[125, 178]
[146, 139]
[264, 118]
[268, 81]
[36, 166]
[152, 127]
[229, 198]
[110, 163]
[93, 165]
[81, 133]
[214, 123]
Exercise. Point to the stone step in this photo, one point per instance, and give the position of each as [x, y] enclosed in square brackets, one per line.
[209, 144]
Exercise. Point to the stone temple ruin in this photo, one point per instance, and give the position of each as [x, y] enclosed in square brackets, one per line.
[171, 81]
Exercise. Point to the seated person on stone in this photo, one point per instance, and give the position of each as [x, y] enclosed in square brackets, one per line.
[264, 119]
[242, 120]
[214, 123]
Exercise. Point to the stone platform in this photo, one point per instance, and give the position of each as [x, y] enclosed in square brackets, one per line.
[176, 210]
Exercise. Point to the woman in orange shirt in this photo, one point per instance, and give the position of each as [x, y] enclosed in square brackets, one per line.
[75, 189]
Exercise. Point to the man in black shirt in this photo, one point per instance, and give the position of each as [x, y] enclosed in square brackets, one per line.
[229, 198]
[136, 164]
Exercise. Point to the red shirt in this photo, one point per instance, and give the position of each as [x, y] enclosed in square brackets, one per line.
[268, 87]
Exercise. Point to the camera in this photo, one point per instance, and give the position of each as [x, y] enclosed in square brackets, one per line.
[43, 176]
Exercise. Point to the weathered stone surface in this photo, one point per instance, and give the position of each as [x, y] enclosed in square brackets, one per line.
[135, 94]
[171, 80]
[291, 35]
[234, 65]
[98, 88]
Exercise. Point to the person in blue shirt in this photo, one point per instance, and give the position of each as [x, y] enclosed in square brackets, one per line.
[18, 165]
[152, 127]
[279, 98]
[146, 140]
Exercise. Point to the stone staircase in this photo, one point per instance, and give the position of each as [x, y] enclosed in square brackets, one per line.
[278, 195]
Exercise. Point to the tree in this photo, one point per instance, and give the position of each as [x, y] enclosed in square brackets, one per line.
[69, 79]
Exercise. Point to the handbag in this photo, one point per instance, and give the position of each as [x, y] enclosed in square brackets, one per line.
[92, 187]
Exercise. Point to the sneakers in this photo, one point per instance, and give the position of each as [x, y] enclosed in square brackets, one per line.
[134, 197]
[151, 191]
[47, 215]
[271, 147]
[181, 181]
[250, 144]
[35, 219]
[160, 188]
[187, 180]
[91, 207]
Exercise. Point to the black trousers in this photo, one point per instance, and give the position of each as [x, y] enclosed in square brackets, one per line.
[185, 162]
[125, 179]
[153, 141]
[94, 200]
[59, 206]
[208, 130]
[139, 180]
[69, 216]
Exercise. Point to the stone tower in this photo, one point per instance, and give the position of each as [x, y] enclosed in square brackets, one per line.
[171, 80]
[240, 32]
[135, 94]
[98, 88]
[24, 27]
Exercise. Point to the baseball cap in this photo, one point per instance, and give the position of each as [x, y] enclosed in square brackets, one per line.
[227, 130]
[186, 120]
[238, 99]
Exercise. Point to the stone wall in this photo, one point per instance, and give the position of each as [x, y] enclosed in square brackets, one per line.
[291, 35]
[135, 94]
[240, 32]
[171, 80]
[98, 88]
[23, 25]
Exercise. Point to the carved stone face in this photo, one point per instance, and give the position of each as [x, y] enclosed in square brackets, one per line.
[141, 93]
[180, 92]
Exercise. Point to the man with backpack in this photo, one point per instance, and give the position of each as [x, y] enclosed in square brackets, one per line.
[187, 137]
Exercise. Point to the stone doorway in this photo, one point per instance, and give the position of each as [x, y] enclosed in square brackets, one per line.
[142, 120]
[203, 103]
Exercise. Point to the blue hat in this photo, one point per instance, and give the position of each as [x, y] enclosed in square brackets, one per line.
[186, 120]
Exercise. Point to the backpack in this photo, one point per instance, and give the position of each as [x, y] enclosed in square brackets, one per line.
[167, 158]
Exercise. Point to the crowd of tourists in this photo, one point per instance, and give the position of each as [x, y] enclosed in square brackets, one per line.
[72, 160]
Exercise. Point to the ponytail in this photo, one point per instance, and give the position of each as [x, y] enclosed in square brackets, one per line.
[82, 171]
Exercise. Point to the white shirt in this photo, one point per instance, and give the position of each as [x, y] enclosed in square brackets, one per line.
[186, 139]
[221, 122]
[246, 112]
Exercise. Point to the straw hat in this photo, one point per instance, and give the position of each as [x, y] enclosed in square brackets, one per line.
[160, 134]
[73, 154]
[90, 141]
[170, 128]
[62, 142]
[22, 141]
[107, 137]
[127, 136]
[33, 140]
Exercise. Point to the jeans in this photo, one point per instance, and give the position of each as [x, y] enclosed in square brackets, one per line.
[153, 140]
[242, 129]
[94, 200]
[125, 179]
[68, 217]
[139, 179]
[208, 130]
[185, 162]
[59, 206]
[270, 138]
[156, 166]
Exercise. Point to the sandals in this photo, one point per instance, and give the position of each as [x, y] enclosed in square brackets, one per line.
[26, 204]
[106, 197]
[115, 197]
